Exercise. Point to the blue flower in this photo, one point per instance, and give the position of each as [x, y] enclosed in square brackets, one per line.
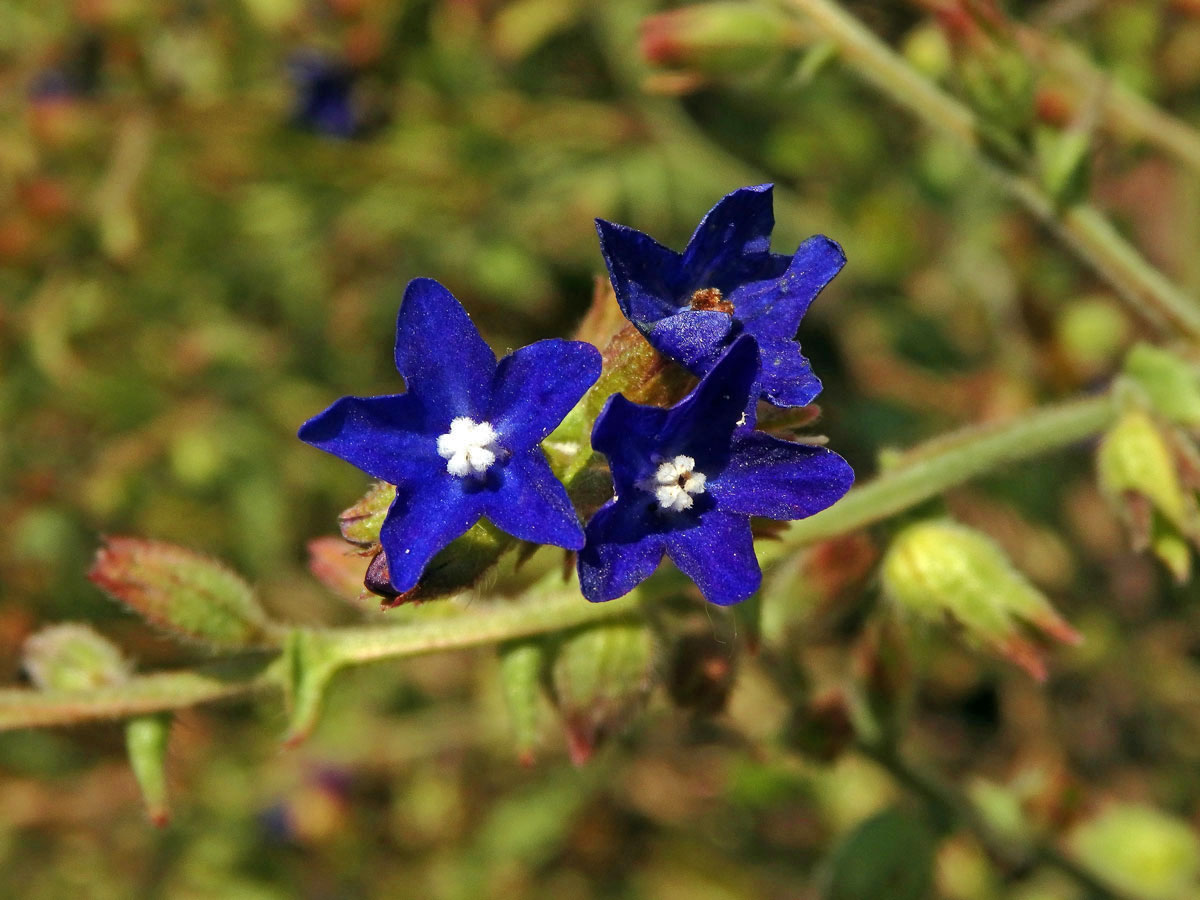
[692, 305]
[324, 95]
[463, 441]
[688, 479]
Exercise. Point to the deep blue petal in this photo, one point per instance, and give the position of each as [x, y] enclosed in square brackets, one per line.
[779, 479]
[623, 549]
[693, 337]
[645, 274]
[775, 310]
[701, 423]
[786, 378]
[387, 437]
[536, 386]
[627, 433]
[441, 355]
[425, 516]
[531, 504]
[718, 556]
[732, 242]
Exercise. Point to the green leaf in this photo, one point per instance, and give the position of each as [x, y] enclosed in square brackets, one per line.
[73, 657]
[888, 855]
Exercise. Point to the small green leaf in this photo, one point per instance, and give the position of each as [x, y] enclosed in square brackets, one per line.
[309, 663]
[190, 595]
[889, 855]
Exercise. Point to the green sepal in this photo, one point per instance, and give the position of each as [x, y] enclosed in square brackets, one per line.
[73, 657]
[146, 739]
[522, 666]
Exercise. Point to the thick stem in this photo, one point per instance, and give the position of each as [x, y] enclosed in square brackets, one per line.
[927, 471]
[1083, 229]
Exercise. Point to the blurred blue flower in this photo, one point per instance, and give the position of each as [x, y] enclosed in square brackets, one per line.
[687, 480]
[324, 95]
[692, 305]
[463, 441]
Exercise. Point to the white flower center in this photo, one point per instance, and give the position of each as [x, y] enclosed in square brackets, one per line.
[674, 483]
[469, 447]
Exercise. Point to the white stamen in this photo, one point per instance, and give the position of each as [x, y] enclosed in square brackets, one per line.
[675, 482]
[469, 447]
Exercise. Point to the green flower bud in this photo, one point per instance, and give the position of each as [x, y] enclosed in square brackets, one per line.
[717, 37]
[1140, 852]
[73, 657]
[1149, 475]
[601, 676]
[939, 569]
[189, 595]
[146, 743]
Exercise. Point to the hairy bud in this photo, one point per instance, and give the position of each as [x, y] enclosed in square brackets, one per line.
[73, 657]
[601, 677]
[191, 596]
[940, 570]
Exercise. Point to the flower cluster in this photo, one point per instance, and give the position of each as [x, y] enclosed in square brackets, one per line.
[463, 442]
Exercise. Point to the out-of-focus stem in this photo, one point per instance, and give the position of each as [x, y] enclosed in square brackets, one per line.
[1122, 108]
[1083, 229]
[932, 468]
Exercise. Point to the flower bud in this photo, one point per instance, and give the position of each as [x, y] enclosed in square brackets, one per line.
[937, 569]
[146, 743]
[716, 37]
[601, 676]
[1149, 474]
[1139, 852]
[702, 671]
[821, 727]
[73, 657]
[521, 667]
[191, 596]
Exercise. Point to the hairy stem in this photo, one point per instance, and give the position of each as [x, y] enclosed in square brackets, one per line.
[1082, 228]
[143, 694]
[950, 460]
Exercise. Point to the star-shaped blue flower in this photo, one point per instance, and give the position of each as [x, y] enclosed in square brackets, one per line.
[687, 481]
[463, 441]
[692, 305]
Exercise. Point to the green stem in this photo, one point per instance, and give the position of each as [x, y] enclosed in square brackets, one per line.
[1083, 229]
[341, 646]
[927, 471]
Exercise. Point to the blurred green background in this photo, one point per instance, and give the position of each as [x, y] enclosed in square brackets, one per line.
[208, 212]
